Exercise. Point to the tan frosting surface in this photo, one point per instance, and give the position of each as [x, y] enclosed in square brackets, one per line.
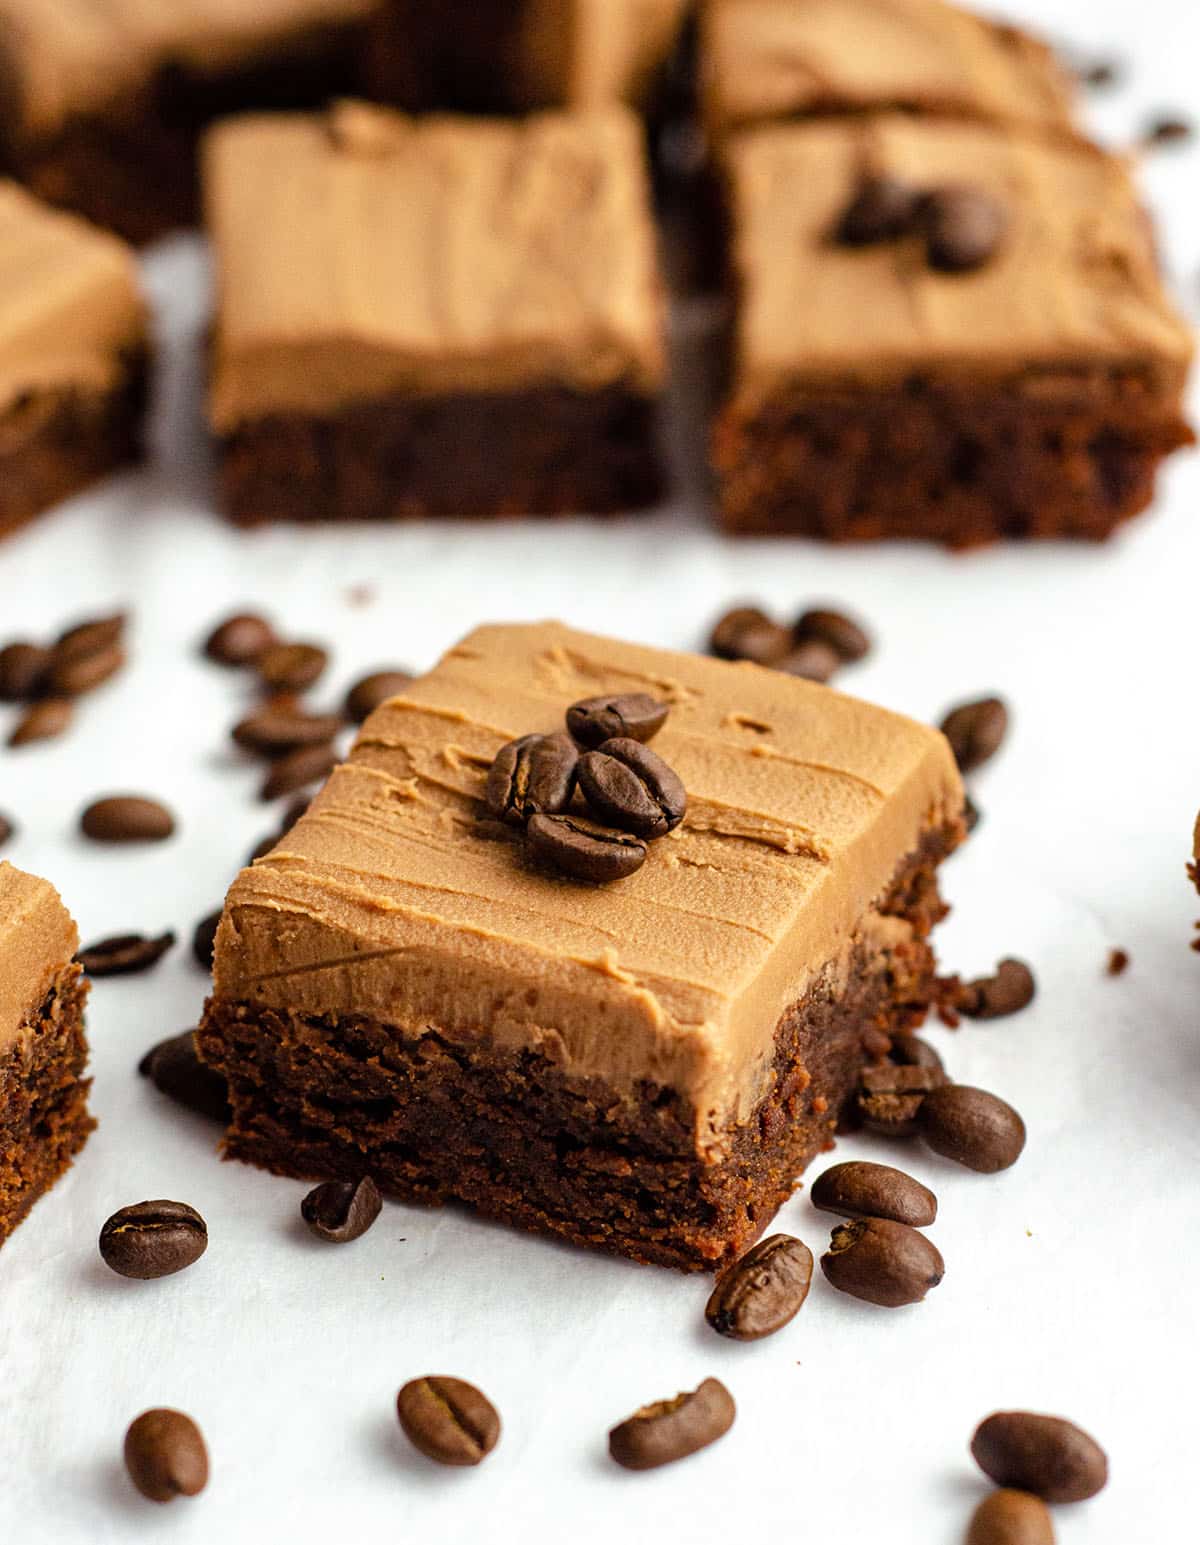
[69, 299]
[391, 899]
[1075, 286]
[783, 58]
[588, 53]
[363, 253]
[37, 938]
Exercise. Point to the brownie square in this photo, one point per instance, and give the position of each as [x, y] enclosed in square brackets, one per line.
[438, 316]
[73, 355]
[44, 1118]
[645, 1067]
[877, 394]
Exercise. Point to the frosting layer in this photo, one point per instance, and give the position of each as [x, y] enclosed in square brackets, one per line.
[37, 938]
[392, 899]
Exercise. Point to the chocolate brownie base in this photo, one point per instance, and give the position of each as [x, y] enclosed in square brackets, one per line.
[55, 443]
[550, 451]
[44, 1118]
[535, 1147]
[959, 465]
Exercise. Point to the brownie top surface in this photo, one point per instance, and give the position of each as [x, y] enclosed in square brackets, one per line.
[37, 939]
[1074, 284]
[777, 58]
[392, 899]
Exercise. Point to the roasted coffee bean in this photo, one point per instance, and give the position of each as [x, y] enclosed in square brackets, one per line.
[342, 1210]
[629, 716]
[849, 639]
[23, 668]
[910, 1051]
[630, 786]
[297, 769]
[153, 1239]
[368, 694]
[882, 1262]
[668, 1430]
[165, 1456]
[204, 938]
[1011, 1518]
[127, 818]
[976, 731]
[811, 660]
[582, 850]
[882, 209]
[275, 731]
[972, 1127]
[80, 674]
[890, 1096]
[964, 228]
[7, 829]
[1046, 1455]
[94, 636]
[747, 633]
[239, 640]
[448, 1420]
[124, 954]
[45, 720]
[532, 776]
[762, 1292]
[861, 1190]
[1012, 989]
[1169, 129]
[291, 667]
[175, 1070]
[1117, 963]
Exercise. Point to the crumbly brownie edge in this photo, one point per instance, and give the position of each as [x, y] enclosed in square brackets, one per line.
[44, 1119]
[559, 1154]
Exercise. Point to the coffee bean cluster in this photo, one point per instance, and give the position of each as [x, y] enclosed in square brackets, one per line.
[961, 228]
[814, 647]
[589, 800]
[47, 680]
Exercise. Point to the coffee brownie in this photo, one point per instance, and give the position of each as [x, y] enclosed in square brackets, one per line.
[73, 355]
[645, 1066]
[102, 101]
[44, 1118]
[946, 330]
[438, 316]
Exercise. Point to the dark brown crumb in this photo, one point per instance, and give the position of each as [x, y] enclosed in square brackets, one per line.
[1118, 962]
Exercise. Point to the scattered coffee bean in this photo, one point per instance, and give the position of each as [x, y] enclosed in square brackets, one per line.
[124, 954]
[964, 228]
[811, 660]
[583, 850]
[291, 667]
[153, 1239]
[127, 818]
[371, 692]
[165, 1456]
[889, 1096]
[910, 1051]
[94, 636]
[1168, 129]
[342, 1210]
[204, 938]
[882, 1262]
[448, 1420]
[275, 731]
[1045, 1455]
[762, 1292]
[1012, 989]
[976, 731]
[175, 1070]
[83, 673]
[628, 716]
[861, 1190]
[534, 775]
[882, 209]
[630, 786]
[849, 639]
[7, 829]
[1118, 962]
[747, 633]
[45, 720]
[239, 640]
[297, 769]
[668, 1430]
[1011, 1518]
[23, 668]
[972, 1127]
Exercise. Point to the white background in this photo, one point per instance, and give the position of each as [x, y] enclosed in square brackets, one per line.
[1070, 1282]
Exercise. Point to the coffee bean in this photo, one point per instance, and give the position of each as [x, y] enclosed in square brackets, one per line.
[631, 787]
[861, 1190]
[1117, 963]
[812, 660]
[175, 1070]
[976, 731]
[631, 716]
[910, 1051]
[371, 692]
[23, 668]
[127, 818]
[747, 633]
[239, 640]
[1045, 1455]
[291, 667]
[762, 1292]
[849, 639]
[889, 1097]
[94, 636]
[342, 1210]
[972, 1127]
[80, 674]
[583, 850]
[882, 209]
[204, 938]
[668, 1430]
[1011, 1518]
[274, 731]
[45, 720]
[124, 954]
[153, 1239]
[7, 829]
[534, 775]
[1168, 129]
[964, 228]
[1012, 989]
[882, 1262]
[165, 1456]
[297, 769]
[448, 1420]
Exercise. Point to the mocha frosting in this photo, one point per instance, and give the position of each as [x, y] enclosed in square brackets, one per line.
[37, 939]
[392, 899]
[363, 253]
[1074, 288]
